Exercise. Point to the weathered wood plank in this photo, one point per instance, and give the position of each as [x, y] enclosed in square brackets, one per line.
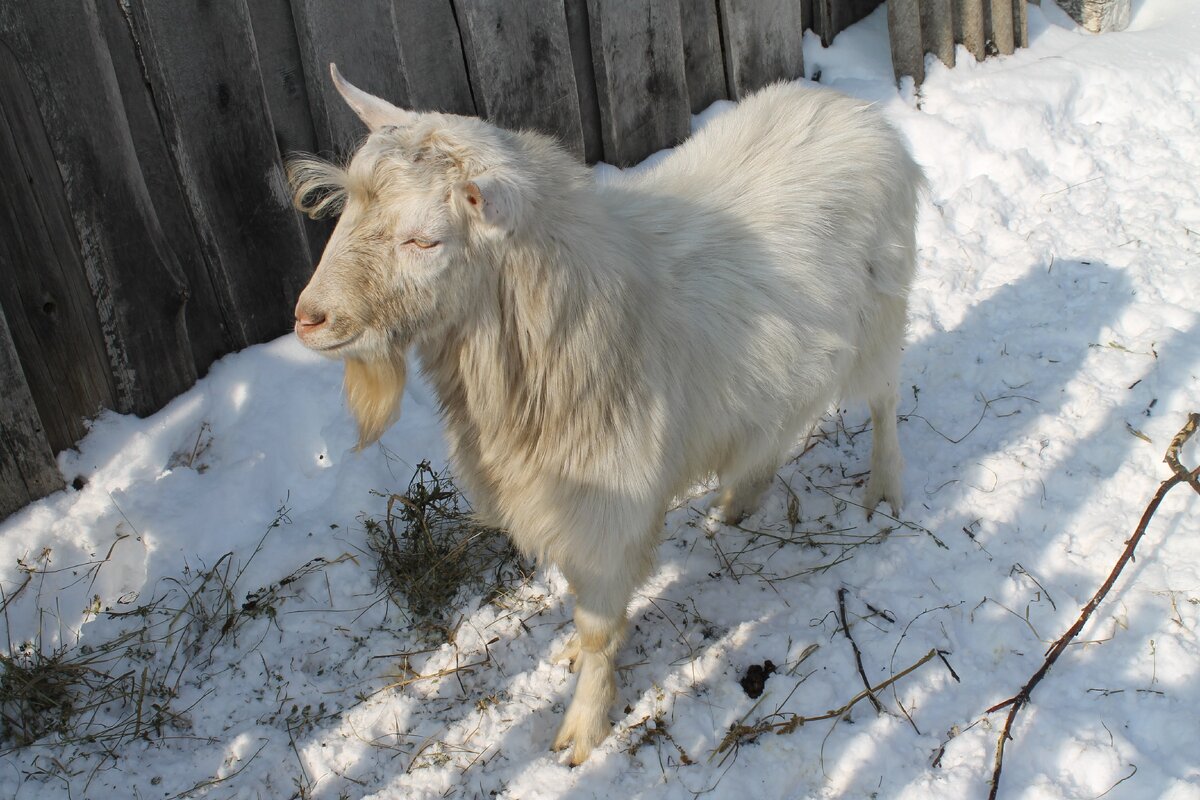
[637, 51]
[702, 57]
[207, 333]
[519, 61]
[1020, 23]
[282, 70]
[969, 27]
[27, 468]
[138, 288]
[761, 43]
[937, 29]
[831, 17]
[52, 317]
[432, 54]
[998, 26]
[904, 31]
[580, 36]
[204, 72]
[360, 38]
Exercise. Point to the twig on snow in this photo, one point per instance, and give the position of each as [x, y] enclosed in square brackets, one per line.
[857, 653]
[1180, 474]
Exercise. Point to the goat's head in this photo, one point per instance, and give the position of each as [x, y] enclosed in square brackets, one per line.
[420, 203]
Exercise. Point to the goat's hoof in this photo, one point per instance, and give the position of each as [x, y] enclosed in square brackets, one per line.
[734, 516]
[582, 732]
[880, 491]
[569, 654]
[729, 512]
[581, 738]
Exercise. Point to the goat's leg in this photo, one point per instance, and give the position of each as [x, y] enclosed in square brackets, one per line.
[602, 593]
[744, 481]
[743, 497]
[585, 724]
[887, 464]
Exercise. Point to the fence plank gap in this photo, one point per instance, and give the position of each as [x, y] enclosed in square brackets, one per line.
[431, 54]
[937, 29]
[360, 38]
[969, 27]
[904, 30]
[1020, 23]
[763, 43]
[703, 58]
[998, 25]
[520, 65]
[580, 36]
[637, 51]
[831, 17]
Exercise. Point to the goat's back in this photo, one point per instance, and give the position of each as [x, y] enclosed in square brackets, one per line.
[782, 237]
[820, 176]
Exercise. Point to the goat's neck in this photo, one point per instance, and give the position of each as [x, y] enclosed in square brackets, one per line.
[561, 322]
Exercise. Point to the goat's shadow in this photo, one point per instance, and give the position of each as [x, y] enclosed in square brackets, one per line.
[1026, 372]
[1021, 376]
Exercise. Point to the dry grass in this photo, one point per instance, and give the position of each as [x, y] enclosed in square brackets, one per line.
[430, 547]
[124, 685]
[105, 696]
[43, 693]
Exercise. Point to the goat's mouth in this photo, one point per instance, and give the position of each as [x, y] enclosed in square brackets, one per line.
[332, 347]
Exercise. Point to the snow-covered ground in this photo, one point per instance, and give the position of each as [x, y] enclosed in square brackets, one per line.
[1054, 351]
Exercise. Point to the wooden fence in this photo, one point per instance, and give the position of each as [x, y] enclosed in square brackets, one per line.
[983, 27]
[145, 226]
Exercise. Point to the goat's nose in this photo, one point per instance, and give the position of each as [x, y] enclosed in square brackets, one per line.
[308, 319]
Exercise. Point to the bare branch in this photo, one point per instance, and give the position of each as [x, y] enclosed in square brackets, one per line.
[1179, 475]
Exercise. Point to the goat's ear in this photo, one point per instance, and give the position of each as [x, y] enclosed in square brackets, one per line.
[493, 202]
[375, 112]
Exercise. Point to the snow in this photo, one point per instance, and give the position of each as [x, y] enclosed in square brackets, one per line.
[1053, 331]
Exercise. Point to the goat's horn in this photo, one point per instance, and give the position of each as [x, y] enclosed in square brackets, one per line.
[374, 111]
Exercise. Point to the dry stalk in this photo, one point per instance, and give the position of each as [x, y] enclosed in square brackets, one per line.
[1179, 475]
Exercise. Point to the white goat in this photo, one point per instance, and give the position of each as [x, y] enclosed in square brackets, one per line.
[599, 346]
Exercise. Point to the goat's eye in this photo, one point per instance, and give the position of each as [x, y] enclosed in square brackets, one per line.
[424, 244]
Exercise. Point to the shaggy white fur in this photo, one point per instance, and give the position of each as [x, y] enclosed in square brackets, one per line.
[599, 347]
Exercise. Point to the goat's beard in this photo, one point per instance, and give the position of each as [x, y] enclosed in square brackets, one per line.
[373, 391]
